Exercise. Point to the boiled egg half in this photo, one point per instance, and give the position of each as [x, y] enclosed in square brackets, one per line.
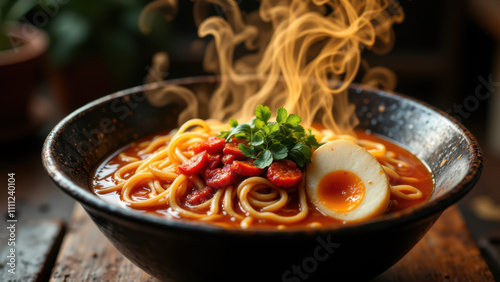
[346, 182]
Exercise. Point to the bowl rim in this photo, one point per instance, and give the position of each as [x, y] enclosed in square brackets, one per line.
[89, 200]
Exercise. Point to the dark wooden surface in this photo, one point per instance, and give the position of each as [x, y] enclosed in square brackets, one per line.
[446, 253]
[86, 255]
[36, 247]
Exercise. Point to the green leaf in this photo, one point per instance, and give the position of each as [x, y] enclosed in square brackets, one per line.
[257, 139]
[311, 140]
[252, 122]
[266, 130]
[299, 129]
[259, 124]
[288, 142]
[273, 127]
[233, 123]
[242, 136]
[224, 134]
[301, 154]
[281, 115]
[303, 148]
[279, 151]
[307, 153]
[246, 150]
[242, 128]
[264, 159]
[263, 113]
[19, 9]
[293, 119]
[270, 141]
[297, 158]
[279, 138]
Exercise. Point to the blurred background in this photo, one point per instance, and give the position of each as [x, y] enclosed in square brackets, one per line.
[446, 53]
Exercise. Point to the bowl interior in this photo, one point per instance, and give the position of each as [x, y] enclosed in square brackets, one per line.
[80, 142]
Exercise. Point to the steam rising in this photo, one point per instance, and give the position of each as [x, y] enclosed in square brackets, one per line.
[302, 55]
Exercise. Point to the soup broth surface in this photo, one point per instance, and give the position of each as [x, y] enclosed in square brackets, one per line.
[103, 177]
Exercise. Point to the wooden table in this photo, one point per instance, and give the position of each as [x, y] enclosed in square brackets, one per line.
[446, 253]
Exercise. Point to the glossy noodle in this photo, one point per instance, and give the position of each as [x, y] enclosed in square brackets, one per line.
[149, 179]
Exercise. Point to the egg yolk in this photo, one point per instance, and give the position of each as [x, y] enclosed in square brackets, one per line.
[341, 190]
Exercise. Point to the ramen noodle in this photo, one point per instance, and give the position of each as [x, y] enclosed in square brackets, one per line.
[191, 174]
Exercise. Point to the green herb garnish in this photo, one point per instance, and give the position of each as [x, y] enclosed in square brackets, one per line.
[268, 141]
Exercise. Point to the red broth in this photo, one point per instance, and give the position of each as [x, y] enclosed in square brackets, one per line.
[103, 177]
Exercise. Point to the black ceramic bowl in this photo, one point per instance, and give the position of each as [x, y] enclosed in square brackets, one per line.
[187, 251]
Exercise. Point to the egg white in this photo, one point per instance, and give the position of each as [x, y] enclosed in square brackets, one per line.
[348, 156]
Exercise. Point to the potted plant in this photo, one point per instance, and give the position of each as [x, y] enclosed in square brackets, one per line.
[21, 52]
[97, 48]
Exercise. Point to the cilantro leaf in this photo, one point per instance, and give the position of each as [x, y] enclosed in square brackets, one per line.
[301, 154]
[233, 123]
[264, 159]
[279, 151]
[263, 113]
[246, 150]
[242, 128]
[293, 119]
[281, 115]
[259, 124]
[257, 139]
[299, 130]
[311, 140]
[269, 141]
[273, 127]
[224, 134]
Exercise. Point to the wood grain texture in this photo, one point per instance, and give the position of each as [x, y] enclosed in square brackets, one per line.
[36, 246]
[446, 253]
[86, 255]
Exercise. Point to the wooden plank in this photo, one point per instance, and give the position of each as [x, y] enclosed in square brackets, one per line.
[36, 246]
[446, 253]
[86, 255]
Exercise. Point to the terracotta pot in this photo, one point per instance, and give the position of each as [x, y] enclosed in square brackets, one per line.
[19, 69]
[79, 82]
